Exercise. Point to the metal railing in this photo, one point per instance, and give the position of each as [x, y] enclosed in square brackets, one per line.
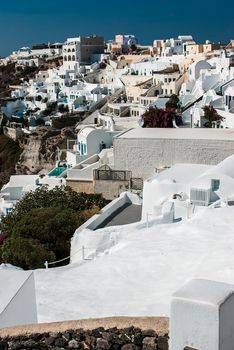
[112, 175]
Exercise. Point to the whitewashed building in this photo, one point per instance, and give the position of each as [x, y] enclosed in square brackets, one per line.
[78, 51]
[176, 46]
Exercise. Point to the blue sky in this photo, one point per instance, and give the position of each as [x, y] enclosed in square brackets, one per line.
[26, 22]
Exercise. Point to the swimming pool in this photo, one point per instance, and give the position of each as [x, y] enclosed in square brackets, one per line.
[57, 171]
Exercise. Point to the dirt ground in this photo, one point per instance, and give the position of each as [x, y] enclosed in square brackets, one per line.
[159, 324]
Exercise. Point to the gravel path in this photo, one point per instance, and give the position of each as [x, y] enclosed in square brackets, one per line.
[159, 324]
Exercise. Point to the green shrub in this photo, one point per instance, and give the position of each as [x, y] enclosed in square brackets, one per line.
[41, 225]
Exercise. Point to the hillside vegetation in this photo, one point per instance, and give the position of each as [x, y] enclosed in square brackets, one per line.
[9, 155]
[13, 75]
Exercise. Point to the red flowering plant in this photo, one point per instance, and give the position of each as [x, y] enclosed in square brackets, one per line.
[157, 118]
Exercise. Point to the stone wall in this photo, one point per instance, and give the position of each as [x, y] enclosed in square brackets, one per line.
[81, 186]
[110, 189]
[143, 156]
[130, 338]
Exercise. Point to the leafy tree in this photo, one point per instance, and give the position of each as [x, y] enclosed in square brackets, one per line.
[173, 103]
[26, 253]
[63, 109]
[58, 197]
[211, 115]
[42, 224]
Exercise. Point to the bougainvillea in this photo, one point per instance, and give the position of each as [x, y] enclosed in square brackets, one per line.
[158, 118]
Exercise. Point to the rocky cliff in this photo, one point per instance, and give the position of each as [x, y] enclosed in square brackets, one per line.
[40, 149]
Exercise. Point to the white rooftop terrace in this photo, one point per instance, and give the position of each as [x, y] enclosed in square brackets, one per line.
[186, 173]
[181, 173]
[21, 180]
[180, 133]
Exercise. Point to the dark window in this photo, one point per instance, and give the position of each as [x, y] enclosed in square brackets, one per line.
[215, 184]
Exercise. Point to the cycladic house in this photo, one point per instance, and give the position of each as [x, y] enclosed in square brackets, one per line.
[17, 298]
[202, 316]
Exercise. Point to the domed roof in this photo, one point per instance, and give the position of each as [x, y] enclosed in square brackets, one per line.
[86, 131]
[226, 167]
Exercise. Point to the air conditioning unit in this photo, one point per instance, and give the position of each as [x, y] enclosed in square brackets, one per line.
[200, 196]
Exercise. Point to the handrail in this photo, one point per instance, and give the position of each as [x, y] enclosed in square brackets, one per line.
[70, 256]
[57, 261]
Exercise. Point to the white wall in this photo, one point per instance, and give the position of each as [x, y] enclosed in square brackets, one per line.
[72, 158]
[193, 324]
[95, 139]
[228, 121]
[84, 174]
[142, 156]
[209, 80]
[196, 67]
[147, 68]
[202, 316]
[226, 327]
[21, 308]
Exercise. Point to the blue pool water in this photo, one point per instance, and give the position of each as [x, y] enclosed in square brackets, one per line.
[19, 114]
[57, 171]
